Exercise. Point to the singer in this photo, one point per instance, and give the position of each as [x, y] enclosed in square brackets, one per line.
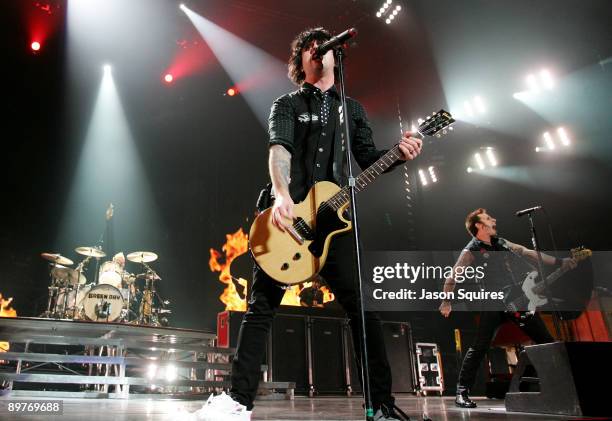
[500, 257]
[306, 146]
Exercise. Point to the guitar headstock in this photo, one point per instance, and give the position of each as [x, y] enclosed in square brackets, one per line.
[437, 124]
[580, 253]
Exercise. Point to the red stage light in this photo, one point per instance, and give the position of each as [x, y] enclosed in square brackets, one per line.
[168, 78]
[231, 92]
[35, 46]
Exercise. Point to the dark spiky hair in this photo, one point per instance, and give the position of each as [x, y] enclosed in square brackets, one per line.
[303, 40]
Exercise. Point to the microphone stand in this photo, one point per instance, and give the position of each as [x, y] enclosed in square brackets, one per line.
[365, 369]
[536, 247]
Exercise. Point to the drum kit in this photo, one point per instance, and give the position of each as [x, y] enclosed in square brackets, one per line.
[115, 295]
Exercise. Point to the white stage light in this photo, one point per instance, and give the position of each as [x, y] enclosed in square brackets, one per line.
[563, 136]
[171, 373]
[549, 141]
[491, 157]
[152, 371]
[423, 177]
[479, 103]
[107, 68]
[479, 161]
[432, 174]
[546, 79]
[469, 170]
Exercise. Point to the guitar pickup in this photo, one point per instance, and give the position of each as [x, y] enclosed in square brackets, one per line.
[302, 228]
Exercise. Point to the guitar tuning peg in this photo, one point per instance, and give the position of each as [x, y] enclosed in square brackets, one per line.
[450, 128]
[444, 131]
[438, 135]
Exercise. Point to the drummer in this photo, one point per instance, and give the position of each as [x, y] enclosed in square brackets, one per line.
[119, 258]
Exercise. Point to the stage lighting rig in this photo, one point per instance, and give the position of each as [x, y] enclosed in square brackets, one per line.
[551, 142]
[483, 160]
[541, 81]
[388, 11]
[428, 176]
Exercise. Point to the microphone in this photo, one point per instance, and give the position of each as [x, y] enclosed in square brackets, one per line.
[528, 210]
[334, 42]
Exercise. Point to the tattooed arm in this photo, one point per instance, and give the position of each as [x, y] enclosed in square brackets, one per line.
[280, 168]
[465, 259]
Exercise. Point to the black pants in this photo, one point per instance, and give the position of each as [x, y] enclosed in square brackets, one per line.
[266, 296]
[490, 321]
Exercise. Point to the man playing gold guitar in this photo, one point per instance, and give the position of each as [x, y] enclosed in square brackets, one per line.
[306, 147]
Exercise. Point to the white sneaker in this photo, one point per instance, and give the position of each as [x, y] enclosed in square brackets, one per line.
[223, 408]
[386, 414]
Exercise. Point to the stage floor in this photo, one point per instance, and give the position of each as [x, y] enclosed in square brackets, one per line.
[320, 409]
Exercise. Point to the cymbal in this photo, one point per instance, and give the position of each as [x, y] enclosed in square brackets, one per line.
[57, 258]
[142, 257]
[90, 252]
[67, 274]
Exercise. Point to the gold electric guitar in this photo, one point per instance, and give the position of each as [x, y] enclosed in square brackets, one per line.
[298, 254]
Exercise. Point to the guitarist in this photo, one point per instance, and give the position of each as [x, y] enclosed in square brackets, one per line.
[487, 249]
[306, 146]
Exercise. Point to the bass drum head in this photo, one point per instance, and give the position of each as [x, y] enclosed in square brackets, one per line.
[110, 274]
[103, 303]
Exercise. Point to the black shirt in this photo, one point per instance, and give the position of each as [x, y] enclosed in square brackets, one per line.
[499, 262]
[315, 140]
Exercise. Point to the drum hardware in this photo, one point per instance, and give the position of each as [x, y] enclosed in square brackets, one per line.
[60, 277]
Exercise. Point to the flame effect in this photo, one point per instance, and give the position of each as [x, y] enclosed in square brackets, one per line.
[6, 311]
[237, 244]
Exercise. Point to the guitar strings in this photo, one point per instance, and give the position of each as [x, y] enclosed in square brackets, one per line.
[342, 195]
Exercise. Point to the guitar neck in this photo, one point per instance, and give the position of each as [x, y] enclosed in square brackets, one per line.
[541, 287]
[366, 178]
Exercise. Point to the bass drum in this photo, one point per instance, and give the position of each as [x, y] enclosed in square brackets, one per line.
[103, 303]
[110, 274]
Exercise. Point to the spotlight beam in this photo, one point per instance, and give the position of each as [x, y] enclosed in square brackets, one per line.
[258, 76]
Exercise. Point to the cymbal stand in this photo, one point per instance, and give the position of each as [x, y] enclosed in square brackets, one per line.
[52, 290]
[79, 269]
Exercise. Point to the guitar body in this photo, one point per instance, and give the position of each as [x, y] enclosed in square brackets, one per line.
[293, 258]
[535, 300]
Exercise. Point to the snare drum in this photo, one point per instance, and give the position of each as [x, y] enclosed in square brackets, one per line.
[103, 303]
[110, 274]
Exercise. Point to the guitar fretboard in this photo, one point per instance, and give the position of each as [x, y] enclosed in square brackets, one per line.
[364, 179]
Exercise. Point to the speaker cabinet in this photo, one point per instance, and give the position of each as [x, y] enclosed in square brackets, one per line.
[563, 378]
